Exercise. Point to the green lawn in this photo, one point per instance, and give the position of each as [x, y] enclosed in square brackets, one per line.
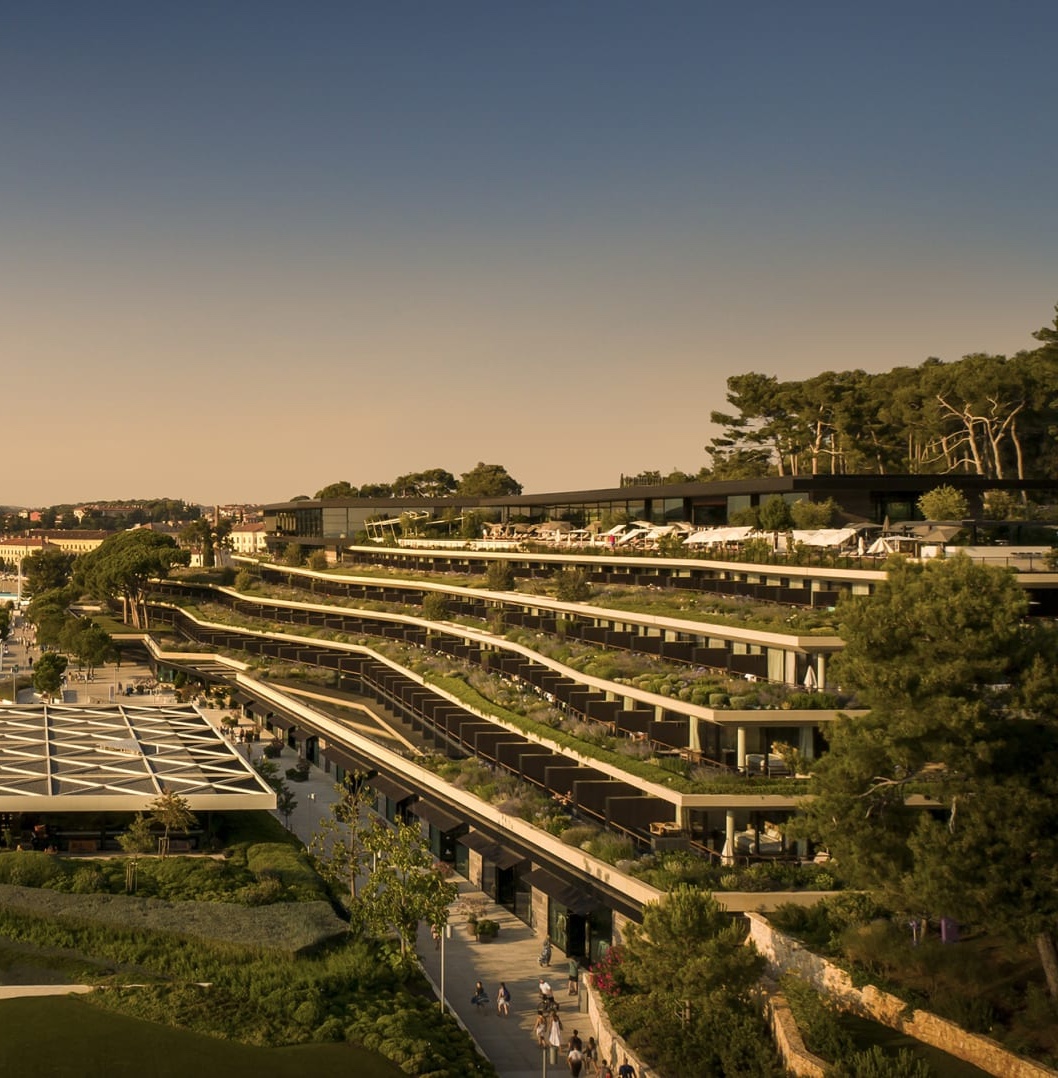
[65, 1037]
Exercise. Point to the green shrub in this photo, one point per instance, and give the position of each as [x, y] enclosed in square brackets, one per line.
[817, 1021]
[876, 1063]
[579, 835]
[810, 701]
[299, 772]
[87, 880]
[611, 848]
[499, 576]
[28, 868]
[288, 864]
[971, 1012]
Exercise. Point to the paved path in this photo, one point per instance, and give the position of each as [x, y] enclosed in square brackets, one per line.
[511, 957]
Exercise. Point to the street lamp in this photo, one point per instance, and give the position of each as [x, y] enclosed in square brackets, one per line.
[446, 933]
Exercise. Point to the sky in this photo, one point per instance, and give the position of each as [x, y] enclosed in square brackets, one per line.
[250, 249]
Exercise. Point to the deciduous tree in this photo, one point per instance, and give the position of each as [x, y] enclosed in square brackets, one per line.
[338, 845]
[173, 813]
[405, 885]
[943, 503]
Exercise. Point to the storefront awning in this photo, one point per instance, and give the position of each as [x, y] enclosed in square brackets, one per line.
[491, 851]
[388, 788]
[439, 817]
[346, 758]
[576, 899]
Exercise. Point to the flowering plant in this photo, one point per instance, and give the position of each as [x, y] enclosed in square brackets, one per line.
[606, 974]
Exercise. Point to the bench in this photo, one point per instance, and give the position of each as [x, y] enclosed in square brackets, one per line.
[84, 845]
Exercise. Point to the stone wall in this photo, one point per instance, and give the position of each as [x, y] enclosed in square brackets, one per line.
[612, 1048]
[797, 1058]
[786, 955]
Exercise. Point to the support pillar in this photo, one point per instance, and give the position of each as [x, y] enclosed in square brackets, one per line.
[729, 845]
[740, 748]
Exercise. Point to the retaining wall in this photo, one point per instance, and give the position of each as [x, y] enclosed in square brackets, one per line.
[785, 954]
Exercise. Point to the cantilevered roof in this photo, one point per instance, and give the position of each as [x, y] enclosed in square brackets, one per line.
[119, 758]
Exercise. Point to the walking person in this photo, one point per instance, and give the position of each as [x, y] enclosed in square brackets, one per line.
[503, 1000]
[480, 997]
[540, 1029]
[591, 1057]
[554, 1032]
[575, 1060]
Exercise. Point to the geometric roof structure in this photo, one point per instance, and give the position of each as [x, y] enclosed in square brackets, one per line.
[119, 758]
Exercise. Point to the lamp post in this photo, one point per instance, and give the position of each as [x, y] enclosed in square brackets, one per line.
[446, 933]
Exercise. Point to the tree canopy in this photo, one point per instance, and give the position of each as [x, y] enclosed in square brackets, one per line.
[984, 414]
[406, 885]
[941, 798]
[483, 480]
[174, 813]
[341, 489]
[46, 570]
[122, 565]
[681, 989]
[207, 538]
[90, 644]
[48, 673]
[943, 503]
[488, 481]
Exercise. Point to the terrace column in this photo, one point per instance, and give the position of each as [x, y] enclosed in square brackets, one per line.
[821, 671]
[729, 845]
[740, 748]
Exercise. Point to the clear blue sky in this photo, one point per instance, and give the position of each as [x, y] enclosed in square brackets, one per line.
[249, 249]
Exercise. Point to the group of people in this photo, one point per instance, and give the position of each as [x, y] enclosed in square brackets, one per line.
[480, 998]
[581, 1058]
[548, 1033]
[547, 1029]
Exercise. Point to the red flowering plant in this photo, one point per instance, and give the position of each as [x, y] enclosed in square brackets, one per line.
[606, 974]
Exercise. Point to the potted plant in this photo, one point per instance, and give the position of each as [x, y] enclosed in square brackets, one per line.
[487, 930]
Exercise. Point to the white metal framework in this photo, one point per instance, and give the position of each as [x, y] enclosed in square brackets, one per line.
[119, 758]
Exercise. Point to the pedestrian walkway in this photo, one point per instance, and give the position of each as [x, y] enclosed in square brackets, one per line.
[512, 957]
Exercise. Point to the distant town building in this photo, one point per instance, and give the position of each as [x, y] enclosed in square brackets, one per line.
[248, 538]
